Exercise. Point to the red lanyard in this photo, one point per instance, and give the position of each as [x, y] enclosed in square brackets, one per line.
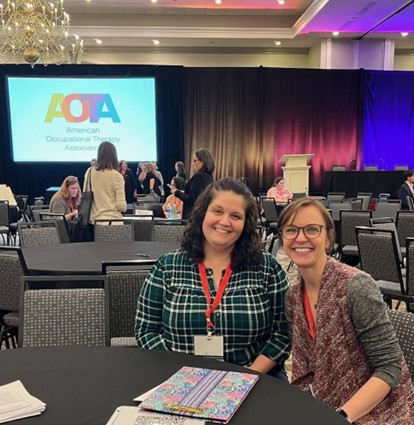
[223, 283]
[308, 313]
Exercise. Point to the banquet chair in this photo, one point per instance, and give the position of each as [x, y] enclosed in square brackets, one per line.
[379, 258]
[61, 224]
[38, 233]
[400, 167]
[113, 230]
[337, 206]
[156, 209]
[366, 199]
[405, 225]
[403, 324]
[125, 280]
[271, 216]
[387, 208]
[12, 267]
[169, 231]
[63, 316]
[298, 195]
[22, 216]
[143, 226]
[338, 168]
[371, 168]
[348, 221]
[335, 197]
[4, 222]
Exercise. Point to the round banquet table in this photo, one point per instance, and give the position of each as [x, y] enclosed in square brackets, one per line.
[84, 385]
[87, 257]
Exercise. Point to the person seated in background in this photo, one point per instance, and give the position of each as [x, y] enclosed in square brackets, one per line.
[180, 170]
[221, 259]
[344, 348]
[176, 183]
[406, 189]
[130, 181]
[66, 201]
[279, 191]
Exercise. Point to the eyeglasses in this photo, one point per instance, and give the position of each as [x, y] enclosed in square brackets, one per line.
[311, 231]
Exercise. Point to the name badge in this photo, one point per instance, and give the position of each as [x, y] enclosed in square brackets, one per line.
[212, 346]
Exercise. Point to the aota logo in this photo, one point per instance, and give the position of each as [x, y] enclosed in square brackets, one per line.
[81, 107]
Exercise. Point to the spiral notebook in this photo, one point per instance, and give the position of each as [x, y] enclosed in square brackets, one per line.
[209, 394]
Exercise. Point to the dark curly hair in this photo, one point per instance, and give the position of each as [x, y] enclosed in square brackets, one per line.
[247, 251]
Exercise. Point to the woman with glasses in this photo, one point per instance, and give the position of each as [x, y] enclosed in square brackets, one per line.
[220, 295]
[177, 183]
[344, 348]
[204, 166]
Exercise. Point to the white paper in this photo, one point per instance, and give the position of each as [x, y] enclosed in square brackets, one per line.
[17, 403]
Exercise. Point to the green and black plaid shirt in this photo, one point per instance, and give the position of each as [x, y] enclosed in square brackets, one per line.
[250, 316]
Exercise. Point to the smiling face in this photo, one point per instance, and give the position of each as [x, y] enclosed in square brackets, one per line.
[280, 184]
[224, 221]
[304, 252]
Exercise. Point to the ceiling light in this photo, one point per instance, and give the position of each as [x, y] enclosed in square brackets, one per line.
[335, 33]
[154, 1]
[98, 41]
[218, 1]
[281, 2]
[277, 43]
[156, 42]
[404, 34]
[37, 31]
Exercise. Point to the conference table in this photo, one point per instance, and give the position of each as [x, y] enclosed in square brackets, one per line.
[84, 385]
[352, 182]
[87, 257]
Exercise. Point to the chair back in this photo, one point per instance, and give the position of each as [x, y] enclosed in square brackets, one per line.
[387, 209]
[38, 233]
[336, 207]
[410, 203]
[366, 199]
[156, 209]
[410, 269]
[71, 313]
[169, 232]
[400, 167]
[113, 230]
[61, 224]
[143, 226]
[4, 213]
[125, 281]
[269, 209]
[403, 324]
[348, 221]
[389, 224]
[371, 168]
[335, 197]
[338, 168]
[405, 225]
[298, 195]
[379, 255]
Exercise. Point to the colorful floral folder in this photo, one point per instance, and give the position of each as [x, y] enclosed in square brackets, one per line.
[208, 394]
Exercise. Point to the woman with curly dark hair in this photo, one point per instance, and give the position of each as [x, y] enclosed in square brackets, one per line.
[220, 294]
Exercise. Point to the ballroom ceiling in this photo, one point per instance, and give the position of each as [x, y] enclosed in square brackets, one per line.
[236, 25]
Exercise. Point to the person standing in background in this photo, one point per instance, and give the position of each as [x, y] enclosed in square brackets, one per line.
[204, 166]
[406, 189]
[141, 174]
[160, 178]
[180, 170]
[151, 184]
[107, 185]
[130, 181]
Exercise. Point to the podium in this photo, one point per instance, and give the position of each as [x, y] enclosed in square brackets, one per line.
[296, 172]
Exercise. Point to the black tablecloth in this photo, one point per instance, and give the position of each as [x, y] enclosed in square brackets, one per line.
[87, 257]
[352, 182]
[83, 386]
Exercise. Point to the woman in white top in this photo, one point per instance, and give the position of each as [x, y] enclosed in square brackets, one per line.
[107, 185]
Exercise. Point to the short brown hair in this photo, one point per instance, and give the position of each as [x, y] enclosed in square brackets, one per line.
[289, 213]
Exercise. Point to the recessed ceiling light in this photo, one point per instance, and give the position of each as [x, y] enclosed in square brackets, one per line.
[281, 2]
[404, 34]
[98, 41]
[156, 42]
[218, 1]
[335, 33]
[277, 43]
[154, 1]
